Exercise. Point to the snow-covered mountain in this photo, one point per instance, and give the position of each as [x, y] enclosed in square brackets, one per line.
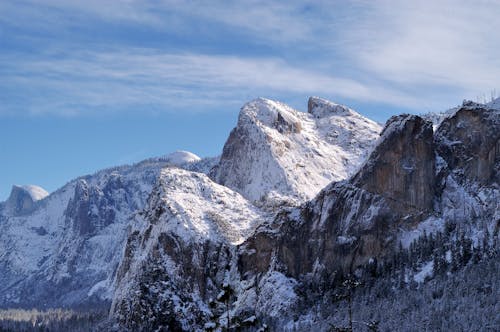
[22, 199]
[265, 234]
[415, 182]
[277, 154]
[187, 233]
[62, 249]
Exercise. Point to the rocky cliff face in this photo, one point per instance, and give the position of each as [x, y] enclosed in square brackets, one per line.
[410, 182]
[402, 166]
[352, 221]
[22, 199]
[277, 154]
[469, 143]
[64, 250]
[174, 249]
[179, 252]
[390, 200]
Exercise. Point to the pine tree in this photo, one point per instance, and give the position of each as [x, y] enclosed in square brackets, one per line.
[345, 293]
[440, 263]
[224, 299]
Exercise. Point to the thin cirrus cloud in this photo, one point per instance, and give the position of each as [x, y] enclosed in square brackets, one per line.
[443, 44]
[113, 80]
[404, 54]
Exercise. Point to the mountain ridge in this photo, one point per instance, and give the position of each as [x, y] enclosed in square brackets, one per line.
[280, 214]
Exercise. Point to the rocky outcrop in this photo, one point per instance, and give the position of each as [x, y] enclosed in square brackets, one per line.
[469, 143]
[63, 250]
[186, 236]
[352, 221]
[402, 166]
[277, 154]
[167, 263]
[22, 199]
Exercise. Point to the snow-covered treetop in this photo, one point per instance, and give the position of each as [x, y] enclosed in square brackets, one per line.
[495, 104]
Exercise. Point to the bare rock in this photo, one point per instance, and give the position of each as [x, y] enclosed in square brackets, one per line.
[469, 142]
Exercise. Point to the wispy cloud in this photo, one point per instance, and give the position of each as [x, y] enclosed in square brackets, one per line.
[438, 44]
[142, 78]
[409, 54]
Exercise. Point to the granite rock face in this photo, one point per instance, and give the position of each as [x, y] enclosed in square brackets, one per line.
[188, 233]
[278, 155]
[354, 222]
[469, 142]
[296, 200]
[62, 250]
[22, 199]
[402, 165]
[351, 221]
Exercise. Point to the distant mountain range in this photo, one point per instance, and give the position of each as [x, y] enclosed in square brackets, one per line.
[268, 232]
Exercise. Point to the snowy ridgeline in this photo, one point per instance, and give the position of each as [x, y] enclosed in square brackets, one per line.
[75, 236]
[277, 154]
[194, 243]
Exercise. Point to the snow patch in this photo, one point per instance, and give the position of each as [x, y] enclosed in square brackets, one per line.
[430, 226]
[280, 294]
[425, 272]
[180, 158]
[37, 193]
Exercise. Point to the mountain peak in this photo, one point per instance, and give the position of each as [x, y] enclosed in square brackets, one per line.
[22, 198]
[181, 157]
[320, 107]
[277, 153]
[269, 113]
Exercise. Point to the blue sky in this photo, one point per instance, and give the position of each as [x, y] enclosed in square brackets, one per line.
[91, 84]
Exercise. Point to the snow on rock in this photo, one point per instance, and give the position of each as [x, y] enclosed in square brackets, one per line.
[431, 225]
[179, 158]
[280, 294]
[424, 273]
[198, 208]
[189, 229]
[277, 154]
[495, 104]
[37, 193]
[22, 199]
[71, 240]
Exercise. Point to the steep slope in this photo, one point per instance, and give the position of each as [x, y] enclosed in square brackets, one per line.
[351, 221]
[22, 199]
[179, 251]
[278, 154]
[413, 182]
[64, 249]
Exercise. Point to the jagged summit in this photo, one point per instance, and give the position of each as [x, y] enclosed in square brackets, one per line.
[412, 184]
[268, 112]
[277, 154]
[320, 107]
[190, 227]
[72, 241]
[160, 238]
